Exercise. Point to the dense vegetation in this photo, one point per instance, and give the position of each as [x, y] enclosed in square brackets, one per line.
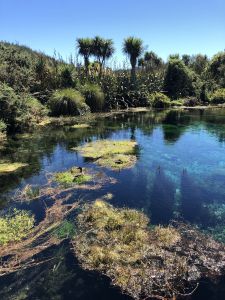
[33, 84]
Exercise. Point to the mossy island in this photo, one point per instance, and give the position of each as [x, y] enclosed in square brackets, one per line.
[157, 263]
[73, 176]
[113, 154]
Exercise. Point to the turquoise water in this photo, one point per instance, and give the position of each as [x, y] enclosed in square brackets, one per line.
[179, 174]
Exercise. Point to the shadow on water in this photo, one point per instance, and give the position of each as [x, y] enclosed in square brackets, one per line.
[162, 198]
[191, 199]
[61, 278]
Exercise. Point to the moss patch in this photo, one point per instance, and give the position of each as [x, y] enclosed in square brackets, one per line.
[159, 262]
[7, 167]
[111, 154]
[80, 126]
[106, 147]
[72, 177]
[167, 236]
[15, 227]
[117, 161]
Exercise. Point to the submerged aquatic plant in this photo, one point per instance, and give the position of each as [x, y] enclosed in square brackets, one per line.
[65, 230]
[15, 226]
[72, 176]
[158, 262]
[30, 192]
[109, 153]
[22, 254]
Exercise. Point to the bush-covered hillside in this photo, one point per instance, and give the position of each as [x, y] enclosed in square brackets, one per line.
[30, 79]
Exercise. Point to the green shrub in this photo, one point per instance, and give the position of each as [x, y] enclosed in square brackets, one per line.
[66, 77]
[67, 102]
[159, 100]
[191, 101]
[35, 106]
[177, 103]
[2, 127]
[178, 80]
[8, 104]
[217, 69]
[94, 97]
[218, 97]
[19, 112]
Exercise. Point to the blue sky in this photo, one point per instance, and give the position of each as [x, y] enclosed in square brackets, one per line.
[166, 26]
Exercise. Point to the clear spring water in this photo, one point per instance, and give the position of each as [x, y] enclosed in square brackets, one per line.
[180, 174]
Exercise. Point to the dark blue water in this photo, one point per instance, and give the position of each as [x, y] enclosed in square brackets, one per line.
[179, 174]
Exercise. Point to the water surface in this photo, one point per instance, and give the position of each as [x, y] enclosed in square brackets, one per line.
[179, 174]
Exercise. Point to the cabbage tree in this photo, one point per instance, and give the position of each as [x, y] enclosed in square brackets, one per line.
[84, 46]
[133, 47]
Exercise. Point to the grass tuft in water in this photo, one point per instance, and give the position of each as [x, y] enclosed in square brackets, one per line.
[72, 176]
[30, 192]
[15, 226]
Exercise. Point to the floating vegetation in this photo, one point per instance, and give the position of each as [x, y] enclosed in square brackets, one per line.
[15, 226]
[7, 167]
[111, 154]
[161, 262]
[117, 161]
[20, 254]
[92, 181]
[72, 176]
[102, 148]
[81, 126]
[108, 196]
[31, 192]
